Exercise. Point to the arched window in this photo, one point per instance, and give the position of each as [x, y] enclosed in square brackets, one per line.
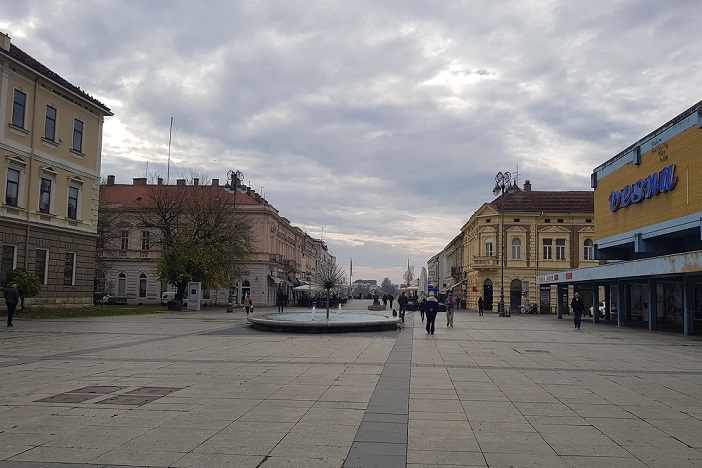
[122, 285]
[142, 285]
[588, 250]
[516, 249]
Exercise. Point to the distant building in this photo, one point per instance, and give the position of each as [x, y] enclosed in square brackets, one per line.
[284, 256]
[542, 231]
[51, 143]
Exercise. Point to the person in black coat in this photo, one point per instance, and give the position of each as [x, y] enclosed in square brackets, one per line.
[578, 307]
[481, 305]
[432, 310]
[11, 300]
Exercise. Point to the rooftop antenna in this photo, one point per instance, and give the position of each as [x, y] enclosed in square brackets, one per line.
[516, 176]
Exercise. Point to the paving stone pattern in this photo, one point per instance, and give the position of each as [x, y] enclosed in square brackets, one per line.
[202, 389]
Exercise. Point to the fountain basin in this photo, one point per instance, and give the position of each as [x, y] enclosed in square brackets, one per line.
[301, 322]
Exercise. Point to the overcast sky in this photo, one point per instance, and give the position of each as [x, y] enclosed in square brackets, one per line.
[377, 125]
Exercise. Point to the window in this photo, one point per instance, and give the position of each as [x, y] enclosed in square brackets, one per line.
[145, 241]
[77, 135]
[18, 108]
[588, 250]
[548, 243]
[488, 248]
[7, 263]
[50, 124]
[516, 249]
[45, 195]
[12, 189]
[142, 285]
[560, 249]
[41, 264]
[124, 245]
[69, 269]
[72, 202]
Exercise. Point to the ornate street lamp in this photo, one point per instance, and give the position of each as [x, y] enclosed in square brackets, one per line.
[503, 183]
[235, 177]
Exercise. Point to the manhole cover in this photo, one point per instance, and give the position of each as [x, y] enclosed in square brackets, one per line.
[136, 400]
[158, 391]
[99, 389]
[68, 398]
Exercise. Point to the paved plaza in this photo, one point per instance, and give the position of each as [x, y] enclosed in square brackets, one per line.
[203, 389]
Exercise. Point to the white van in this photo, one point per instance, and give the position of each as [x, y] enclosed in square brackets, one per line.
[167, 296]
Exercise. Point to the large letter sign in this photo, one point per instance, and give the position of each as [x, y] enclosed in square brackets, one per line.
[656, 183]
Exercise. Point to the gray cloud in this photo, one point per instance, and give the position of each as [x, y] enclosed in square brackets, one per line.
[383, 123]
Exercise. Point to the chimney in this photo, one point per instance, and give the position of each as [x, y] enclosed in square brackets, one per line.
[139, 181]
[180, 182]
[5, 41]
[110, 180]
[527, 185]
[196, 181]
[215, 182]
[160, 181]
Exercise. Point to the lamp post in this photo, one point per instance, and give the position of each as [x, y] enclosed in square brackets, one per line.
[503, 183]
[235, 177]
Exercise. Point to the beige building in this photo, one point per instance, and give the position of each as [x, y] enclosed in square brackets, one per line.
[50, 143]
[544, 231]
[284, 256]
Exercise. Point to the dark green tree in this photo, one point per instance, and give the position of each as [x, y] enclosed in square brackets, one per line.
[329, 277]
[28, 284]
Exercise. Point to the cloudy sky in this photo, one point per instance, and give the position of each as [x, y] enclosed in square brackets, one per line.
[377, 125]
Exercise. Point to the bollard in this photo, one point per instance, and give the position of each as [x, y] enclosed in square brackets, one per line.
[230, 307]
[339, 309]
[314, 310]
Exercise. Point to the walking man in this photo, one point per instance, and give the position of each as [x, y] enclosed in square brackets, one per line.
[280, 299]
[449, 312]
[432, 310]
[402, 302]
[578, 308]
[248, 304]
[11, 300]
[481, 305]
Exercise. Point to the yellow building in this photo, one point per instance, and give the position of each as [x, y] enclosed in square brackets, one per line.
[543, 231]
[648, 211]
[50, 142]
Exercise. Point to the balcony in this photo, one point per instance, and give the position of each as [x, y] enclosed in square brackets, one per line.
[484, 262]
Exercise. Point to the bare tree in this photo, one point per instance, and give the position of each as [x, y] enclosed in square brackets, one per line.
[200, 234]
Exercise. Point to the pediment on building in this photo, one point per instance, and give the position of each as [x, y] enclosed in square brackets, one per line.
[16, 160]
[487, 229]
[517, 230]
[587, 230]
[554, 229]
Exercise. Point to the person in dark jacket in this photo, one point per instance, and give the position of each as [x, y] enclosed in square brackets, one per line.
[432, 310]
[11, 300]
[578, 308]
[402, 302]
[423, 307]
[481, 305]
[280, 300]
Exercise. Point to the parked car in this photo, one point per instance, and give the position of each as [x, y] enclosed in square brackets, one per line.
[601, 310]
[167, 296]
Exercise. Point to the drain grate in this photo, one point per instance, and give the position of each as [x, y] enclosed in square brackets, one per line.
[137, 397]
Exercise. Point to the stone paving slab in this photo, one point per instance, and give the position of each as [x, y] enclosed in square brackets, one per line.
[521, 391]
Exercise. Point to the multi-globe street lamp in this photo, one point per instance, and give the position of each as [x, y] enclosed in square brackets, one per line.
[503, 183]
[234, 177]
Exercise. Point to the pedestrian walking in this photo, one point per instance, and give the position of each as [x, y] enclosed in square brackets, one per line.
[402, 302]
[391, 299]
[481, 305]
[248, 304]
[578, 308]
[449, 312]
[11, 300]
[432, 310]
[423, 307]
[385, 300]
[280, 300]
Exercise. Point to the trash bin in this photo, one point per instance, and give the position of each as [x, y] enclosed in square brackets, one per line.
[175, 305]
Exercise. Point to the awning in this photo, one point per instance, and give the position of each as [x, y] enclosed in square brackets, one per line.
[289, 283]
[460, 282]
[275, 280]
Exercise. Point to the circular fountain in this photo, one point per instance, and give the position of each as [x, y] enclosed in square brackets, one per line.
[316, 321]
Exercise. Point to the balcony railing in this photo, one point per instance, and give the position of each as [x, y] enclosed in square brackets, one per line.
[484, 262]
